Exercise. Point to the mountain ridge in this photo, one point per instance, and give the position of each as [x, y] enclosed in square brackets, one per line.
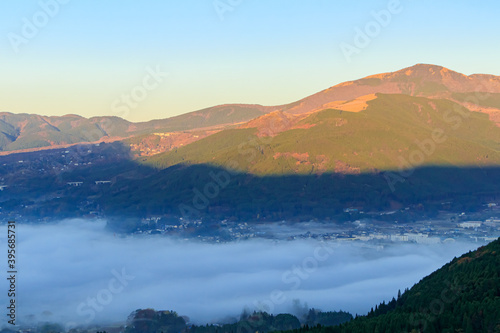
[30, 131]
[375, 138]
[19, 132]
[404, 81]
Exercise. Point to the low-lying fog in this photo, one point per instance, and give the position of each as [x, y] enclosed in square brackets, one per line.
[77, 272]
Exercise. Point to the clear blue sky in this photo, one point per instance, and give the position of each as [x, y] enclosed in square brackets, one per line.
[89, 53]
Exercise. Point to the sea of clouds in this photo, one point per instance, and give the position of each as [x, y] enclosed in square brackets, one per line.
[77, 272]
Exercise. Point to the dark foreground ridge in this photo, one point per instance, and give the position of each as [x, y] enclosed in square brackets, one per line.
[462, 296]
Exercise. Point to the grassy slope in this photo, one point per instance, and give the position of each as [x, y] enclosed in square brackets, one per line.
[374, 139]
[482, 99]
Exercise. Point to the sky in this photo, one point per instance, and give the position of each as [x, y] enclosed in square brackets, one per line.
[144, 60]
[111, 276]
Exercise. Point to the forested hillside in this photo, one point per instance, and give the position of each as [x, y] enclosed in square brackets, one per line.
[462, 296]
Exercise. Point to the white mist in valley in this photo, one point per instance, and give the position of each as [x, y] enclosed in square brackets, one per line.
[77, 272]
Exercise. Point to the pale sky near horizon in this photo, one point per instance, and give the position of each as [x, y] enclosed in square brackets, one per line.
[83, 57]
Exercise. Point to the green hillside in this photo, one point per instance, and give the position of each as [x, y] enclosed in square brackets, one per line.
[379, 138]
[401, 150]
[462, 296]
[482, 99]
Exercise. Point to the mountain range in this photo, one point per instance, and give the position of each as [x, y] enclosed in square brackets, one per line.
[423, 133]
[478, 92]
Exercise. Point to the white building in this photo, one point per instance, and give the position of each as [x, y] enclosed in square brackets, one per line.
[421, 238]
[399, 238]
[470, 224]
[100, 182]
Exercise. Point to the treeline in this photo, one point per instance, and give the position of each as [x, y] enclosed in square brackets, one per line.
[152, 321]
[263, 322]
[462, 296]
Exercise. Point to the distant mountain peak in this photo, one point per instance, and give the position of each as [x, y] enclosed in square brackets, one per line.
[425, 80]
[426, 71]
[429, 67]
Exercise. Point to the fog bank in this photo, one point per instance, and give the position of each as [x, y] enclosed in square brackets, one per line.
[77, 272]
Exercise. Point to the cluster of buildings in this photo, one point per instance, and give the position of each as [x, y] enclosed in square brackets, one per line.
[445, 228]
[97, 182]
